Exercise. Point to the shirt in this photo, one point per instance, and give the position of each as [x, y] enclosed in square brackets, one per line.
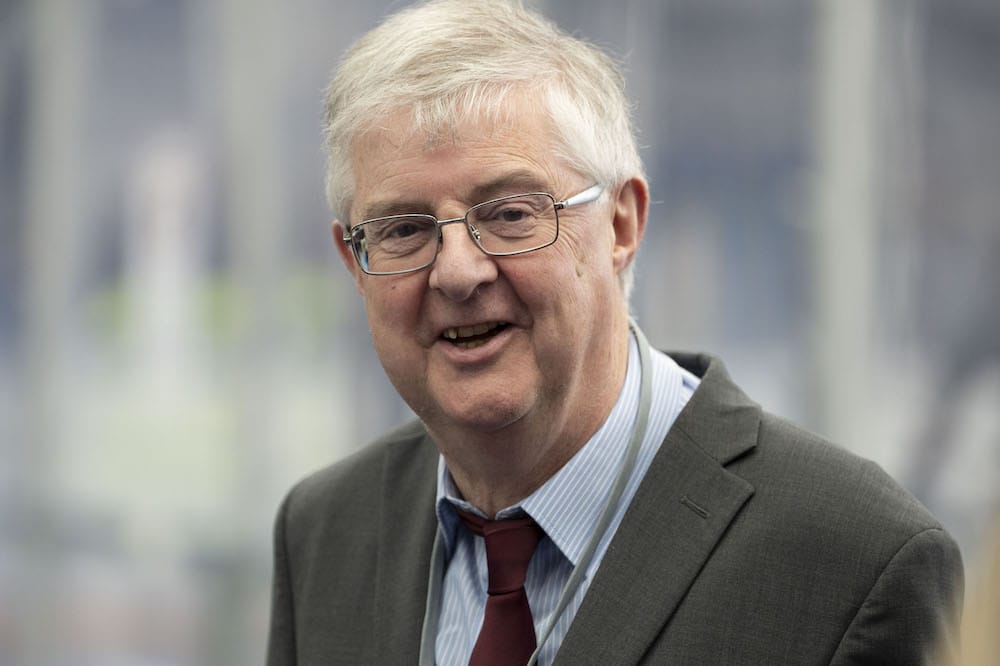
[566, 507]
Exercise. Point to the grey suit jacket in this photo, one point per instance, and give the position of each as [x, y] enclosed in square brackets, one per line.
[749, 541]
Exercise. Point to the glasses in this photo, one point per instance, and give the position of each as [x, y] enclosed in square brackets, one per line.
[500, 227]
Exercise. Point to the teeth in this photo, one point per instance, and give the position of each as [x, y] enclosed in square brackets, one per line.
[471, 344]
[469, 331]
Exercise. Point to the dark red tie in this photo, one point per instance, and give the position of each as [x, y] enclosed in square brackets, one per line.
[508, 634]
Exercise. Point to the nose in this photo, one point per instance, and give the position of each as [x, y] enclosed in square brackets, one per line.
[461, 267]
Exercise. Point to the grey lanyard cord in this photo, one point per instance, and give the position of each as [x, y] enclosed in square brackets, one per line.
[428, 636]
[617, 489]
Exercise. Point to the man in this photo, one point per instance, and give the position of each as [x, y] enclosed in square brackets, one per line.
[490, 201]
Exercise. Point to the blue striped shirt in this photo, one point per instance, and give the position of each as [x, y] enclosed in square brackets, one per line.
[566, 507]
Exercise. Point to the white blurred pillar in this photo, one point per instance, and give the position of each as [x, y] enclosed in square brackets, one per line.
[254, 43]
[257, 226]
[845, 221]
[164, 212]
[60, 43]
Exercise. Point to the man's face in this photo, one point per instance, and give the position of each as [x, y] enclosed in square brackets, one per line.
[540, 336]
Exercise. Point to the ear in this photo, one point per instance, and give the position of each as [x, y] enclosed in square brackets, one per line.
[631, 208]
[347, 255]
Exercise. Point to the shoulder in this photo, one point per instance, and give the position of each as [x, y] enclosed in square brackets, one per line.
[402, 460]
[862, 539]
[340, 533]
[863, 570]
[790, 468]
[810, 499]
[812, 478]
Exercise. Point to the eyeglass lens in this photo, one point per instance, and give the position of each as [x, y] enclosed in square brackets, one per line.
[510, 225]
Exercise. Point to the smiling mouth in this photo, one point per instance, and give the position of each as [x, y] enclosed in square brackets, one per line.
[470, 337]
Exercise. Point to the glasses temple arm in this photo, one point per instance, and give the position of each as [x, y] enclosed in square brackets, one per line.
[592, 193]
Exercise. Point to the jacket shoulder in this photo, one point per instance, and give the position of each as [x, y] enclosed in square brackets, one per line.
[383, 481]
[830, 480]
[340, 534]
[356, 478]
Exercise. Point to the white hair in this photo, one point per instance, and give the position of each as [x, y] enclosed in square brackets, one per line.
[448, 61]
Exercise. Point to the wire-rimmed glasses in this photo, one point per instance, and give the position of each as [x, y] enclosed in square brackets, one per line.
[500, 227]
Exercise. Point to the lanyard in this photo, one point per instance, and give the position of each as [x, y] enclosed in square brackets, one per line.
[432, 610]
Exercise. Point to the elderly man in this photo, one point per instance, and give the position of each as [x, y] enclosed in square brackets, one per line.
[568, 495]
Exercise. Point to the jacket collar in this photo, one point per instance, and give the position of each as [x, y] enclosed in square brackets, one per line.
[680, 512]
[407, 526]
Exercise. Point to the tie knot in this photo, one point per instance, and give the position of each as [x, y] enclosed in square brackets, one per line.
[510, 544]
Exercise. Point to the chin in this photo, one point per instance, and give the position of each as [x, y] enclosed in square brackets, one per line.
[486, 416]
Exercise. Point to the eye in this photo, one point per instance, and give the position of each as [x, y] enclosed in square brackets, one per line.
[399, 230]
[403, 230]
[509, 212]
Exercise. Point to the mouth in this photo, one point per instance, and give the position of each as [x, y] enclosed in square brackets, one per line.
[470, 337]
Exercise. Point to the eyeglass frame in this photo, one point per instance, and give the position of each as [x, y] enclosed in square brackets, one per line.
[592, 193]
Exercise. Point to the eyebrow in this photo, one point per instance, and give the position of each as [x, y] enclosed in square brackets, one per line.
[516, 182]
[520, 181]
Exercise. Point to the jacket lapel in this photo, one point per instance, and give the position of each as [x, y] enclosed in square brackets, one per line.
[680, 512]
[407, 525]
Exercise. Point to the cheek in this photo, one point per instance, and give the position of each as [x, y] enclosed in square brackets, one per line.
[588, 263]
[392, 310]
[587, 282]
[591, 245]
[386, 297]
[558, 280]
[392, 322]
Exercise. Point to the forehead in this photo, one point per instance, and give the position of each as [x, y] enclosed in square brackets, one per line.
[397, 161]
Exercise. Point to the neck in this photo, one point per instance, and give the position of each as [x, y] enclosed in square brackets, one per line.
[504, 470]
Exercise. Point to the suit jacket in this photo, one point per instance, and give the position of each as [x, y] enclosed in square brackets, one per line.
[750, 541]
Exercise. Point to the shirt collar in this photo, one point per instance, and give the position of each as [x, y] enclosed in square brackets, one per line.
[568, 505]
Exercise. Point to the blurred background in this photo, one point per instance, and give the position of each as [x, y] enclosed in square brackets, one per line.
[179, 343]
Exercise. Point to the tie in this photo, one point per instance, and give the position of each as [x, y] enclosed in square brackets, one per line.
[508, 634]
